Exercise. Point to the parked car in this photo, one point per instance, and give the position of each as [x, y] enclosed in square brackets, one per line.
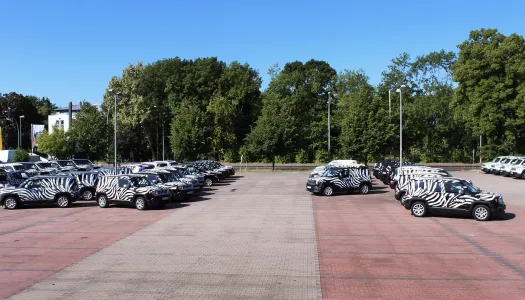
[47, 167]
[131, 189]
[494, 166]
[11, 178]
[506, 168]
[85, 164]
[425, 195]
[87, 182]
[518, 170]
[61, 190]
[208, 177]
[163, 178]
[407, 170]
[341, 180]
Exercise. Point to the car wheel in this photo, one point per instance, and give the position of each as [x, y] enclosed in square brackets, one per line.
[140, 203]
[103, 201]
[11, 203]
[523, 175]
[63, 201]
[364, 189]
[208, 182]
[481, 213]
[419, 209]
[399, 195]
[328, 191]
[87, 194]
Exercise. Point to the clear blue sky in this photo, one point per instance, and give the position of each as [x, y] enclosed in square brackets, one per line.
[68, 51]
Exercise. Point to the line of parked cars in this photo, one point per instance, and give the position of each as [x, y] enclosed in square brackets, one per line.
[144, 185]
[513, 166]
[339, 176]
[423, 189]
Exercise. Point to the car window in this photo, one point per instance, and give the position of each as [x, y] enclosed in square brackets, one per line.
[123, 183]
[421, 185]
[437, 188]
[453, 187]
[3, 175]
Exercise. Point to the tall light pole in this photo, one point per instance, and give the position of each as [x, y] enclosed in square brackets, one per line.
[400, 91]
[20, 132]
[163, 140]
[390, 113]
[329, 126]
[115, 126]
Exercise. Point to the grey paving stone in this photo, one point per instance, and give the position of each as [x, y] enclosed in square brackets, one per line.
[252, 239]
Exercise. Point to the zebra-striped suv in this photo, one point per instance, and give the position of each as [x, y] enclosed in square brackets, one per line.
[133, 189]
[42, 189]
[451, 194]
[341, 180]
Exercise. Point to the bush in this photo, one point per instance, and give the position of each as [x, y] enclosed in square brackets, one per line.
[301, 157]
[321, 156]
[21, 155]
[231, 156]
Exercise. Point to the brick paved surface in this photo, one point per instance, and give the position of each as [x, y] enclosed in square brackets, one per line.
[372, 248]
[250, 239]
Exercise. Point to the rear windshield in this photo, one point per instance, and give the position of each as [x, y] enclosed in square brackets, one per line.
[82, 161]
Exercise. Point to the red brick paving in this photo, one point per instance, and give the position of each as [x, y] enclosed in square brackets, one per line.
[35, 243]
[370, 247]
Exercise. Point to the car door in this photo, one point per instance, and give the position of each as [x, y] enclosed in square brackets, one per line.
[33, 188]
[123, 189]
[344, 180]
[453, 195]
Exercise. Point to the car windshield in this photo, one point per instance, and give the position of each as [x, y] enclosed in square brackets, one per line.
[65, 163]
[497, 159]
[139, 181]
[45, 165]
[330, 173]
[517, 161]
[18, 167]
[470, 187]
[166, 177]
[27, 166]
[83, 161]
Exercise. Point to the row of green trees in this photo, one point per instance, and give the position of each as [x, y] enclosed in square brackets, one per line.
[206, 108]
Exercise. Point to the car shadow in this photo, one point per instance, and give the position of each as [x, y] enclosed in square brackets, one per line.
[466, 215]
[196, 199]
[174, 205]
[222, 183]
[52, 205]
[236, 176]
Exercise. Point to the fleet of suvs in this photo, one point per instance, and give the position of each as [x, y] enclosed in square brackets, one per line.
[420, 189]
[423, 190]
[145, 185]
[513, 166]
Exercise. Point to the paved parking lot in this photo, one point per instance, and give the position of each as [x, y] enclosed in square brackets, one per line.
[263, 236]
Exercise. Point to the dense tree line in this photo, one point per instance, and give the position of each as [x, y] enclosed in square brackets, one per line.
[206, 108]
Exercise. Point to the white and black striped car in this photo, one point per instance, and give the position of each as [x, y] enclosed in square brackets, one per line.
[451, 194]
[134, 189]
[341, 180]
[61, 190]
[87, 182]
[404, 181]
[165, 179]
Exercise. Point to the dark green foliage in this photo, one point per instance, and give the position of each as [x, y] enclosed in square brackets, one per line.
[20, 155]
[87, 133]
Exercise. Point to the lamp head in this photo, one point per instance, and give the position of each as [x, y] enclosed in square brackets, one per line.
[403, 87]
[21, 117]
[398, 91]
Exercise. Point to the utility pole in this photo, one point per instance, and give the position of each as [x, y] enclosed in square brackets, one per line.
[329, 156]
[390, 113]
[400, 91]
[162, 140]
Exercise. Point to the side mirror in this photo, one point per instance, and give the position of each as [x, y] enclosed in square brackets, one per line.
[154, 181]
[462, 192]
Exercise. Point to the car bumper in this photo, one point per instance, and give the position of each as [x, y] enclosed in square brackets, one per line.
[313, 188]
[392, 184]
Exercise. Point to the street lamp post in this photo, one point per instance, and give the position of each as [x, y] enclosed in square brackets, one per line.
[20, 132]
[115, 126]
[329, 126]
[400, 91]
[390, 113]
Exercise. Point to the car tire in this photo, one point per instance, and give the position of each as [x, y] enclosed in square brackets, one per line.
[418, 209]
[87, 194]
[364, 189]
[103, 201]
[140, 203]
[208, 182]
[481, 212]
[522, 175]
[328, 191]
[11, 203]
[63, 201]
[399, 195]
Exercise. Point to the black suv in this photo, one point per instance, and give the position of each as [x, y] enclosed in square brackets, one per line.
[341, 180]
[61, 190]
[450, 194]
[133, 189]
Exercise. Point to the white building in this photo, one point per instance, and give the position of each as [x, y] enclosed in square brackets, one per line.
[60, 118]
